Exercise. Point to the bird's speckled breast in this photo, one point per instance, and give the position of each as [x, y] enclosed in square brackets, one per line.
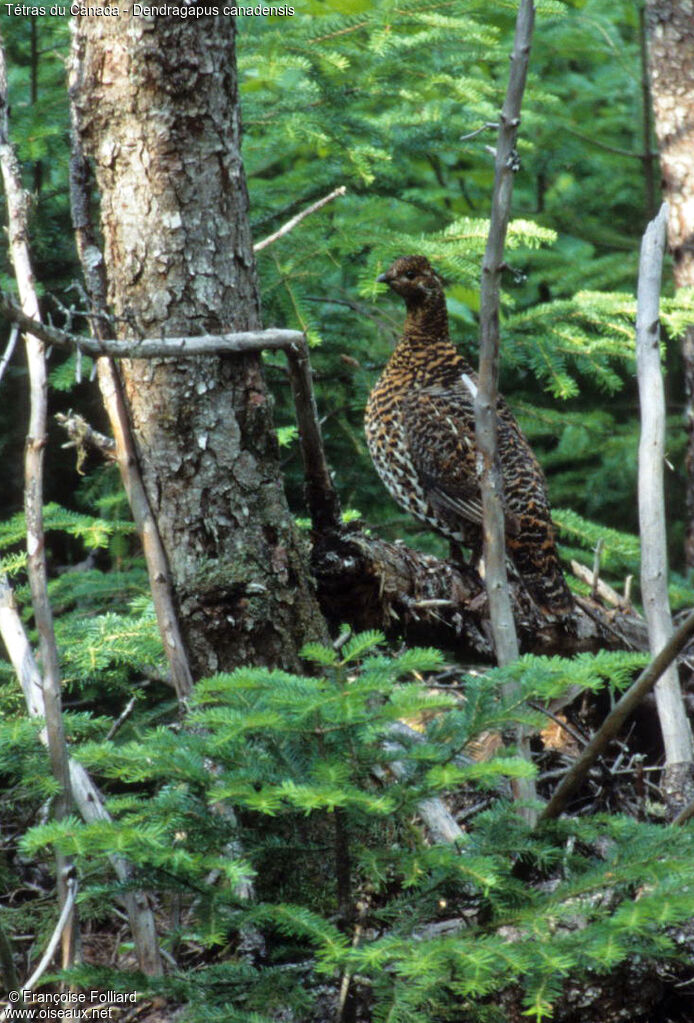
[386, 436]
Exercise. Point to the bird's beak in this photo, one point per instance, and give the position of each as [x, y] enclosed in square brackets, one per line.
[382, 279]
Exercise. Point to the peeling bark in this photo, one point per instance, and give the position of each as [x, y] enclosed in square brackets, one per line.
[157, 113]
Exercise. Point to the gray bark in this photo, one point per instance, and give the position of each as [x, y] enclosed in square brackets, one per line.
[496, 580]
[157, 113]
[671, 47]
[674, 725]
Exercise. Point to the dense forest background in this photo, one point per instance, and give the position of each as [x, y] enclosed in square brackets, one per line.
[586, 188]
[378, 920]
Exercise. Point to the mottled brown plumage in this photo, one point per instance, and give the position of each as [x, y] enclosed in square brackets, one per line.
[420, 429]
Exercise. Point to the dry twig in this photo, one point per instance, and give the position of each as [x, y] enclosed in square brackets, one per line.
[496, 579]
[599, 586]
[291, 224]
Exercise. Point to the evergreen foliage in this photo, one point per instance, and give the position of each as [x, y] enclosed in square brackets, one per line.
[332, 102]
[268, 761]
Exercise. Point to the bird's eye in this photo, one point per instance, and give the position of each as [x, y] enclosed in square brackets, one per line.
[410, 274]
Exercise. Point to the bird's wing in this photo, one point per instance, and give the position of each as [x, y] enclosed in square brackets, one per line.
[439, 424]
[440, 429]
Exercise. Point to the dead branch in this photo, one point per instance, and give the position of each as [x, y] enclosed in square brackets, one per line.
[478, 131]
[496, 580]
[62, 923]
[375, 584]
[601, 588]
[486, 398]
[121, 719]
[616, 718]
[672, 715]
[82, 436]
[232, 343]
[17, 215]
[321, 496]
[291, 224]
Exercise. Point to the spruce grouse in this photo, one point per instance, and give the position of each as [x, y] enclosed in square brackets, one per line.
[420, 429]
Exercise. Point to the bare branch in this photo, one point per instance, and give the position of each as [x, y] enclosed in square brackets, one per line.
[9, 350]
[478, 131]
[674, 725]
[485, 404]
[610, 727]
[591, 140]
[649, 158]
[291, 224]
[151, 348]
[71, 885]
[321, 496]
[580, 739]
[122, 718]
[496, 580]
[601, 588]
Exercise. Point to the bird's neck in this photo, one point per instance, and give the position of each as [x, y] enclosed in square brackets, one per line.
[427, 320]
[425, 355]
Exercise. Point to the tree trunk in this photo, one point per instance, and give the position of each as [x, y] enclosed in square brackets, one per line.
[157, 113]
[671, 44]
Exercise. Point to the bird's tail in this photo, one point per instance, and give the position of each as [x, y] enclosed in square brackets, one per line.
[539, 567]
[551, 595]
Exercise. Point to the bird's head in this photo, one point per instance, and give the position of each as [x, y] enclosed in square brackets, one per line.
[414, 279]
